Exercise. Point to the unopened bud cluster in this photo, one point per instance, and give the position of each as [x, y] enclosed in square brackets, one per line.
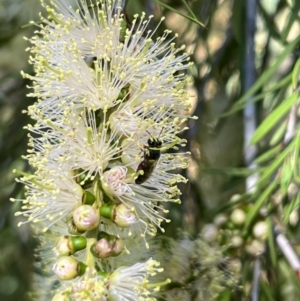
[206, 262]
[107, 245]
[229, 230]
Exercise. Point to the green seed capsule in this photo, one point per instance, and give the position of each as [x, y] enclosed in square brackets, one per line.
[68, 245]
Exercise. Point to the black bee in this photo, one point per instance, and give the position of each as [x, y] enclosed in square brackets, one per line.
[151, 156]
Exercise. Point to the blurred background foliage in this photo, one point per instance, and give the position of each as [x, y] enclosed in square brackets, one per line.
[245, 84]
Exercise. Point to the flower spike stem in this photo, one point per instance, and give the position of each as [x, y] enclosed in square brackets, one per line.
[90, 259]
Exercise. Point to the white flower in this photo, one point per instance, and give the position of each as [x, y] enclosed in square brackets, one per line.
[144, 68]
[76, 144]
[51, 197]
[89, 287]
[124, 122]
[131, 283]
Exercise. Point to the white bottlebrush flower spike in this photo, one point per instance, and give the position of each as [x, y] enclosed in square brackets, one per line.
[111, 104]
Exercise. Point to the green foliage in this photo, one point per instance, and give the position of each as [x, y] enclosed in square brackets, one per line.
[192, 17]
[277, 165]
[274, 117]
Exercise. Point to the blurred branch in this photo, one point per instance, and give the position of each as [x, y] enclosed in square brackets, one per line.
[250, 121]
[256, 277]
[287, 250]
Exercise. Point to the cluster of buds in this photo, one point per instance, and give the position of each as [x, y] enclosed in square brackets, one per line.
[111, 101]
[211, 270]
[229, 230]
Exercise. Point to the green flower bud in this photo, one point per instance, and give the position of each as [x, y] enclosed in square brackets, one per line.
[236, 241]
[220, 219]
[235, 198]
[88, 198]
[120, 214]
[234, 265]
[104, 235]
[107, 211]
[210, 232]
[260, 230]
[68, 245]
[123, 92]
[123, 29]
[67, 268]
[86, 218]
[84, 179]
[255, 247]
[238, 217]
[292, 190]
[229, 225]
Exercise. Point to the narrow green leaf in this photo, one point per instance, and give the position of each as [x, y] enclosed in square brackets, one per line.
[291, 207]
[230, 171]
[225, 295]
[286, 176]
[291, 19]
[231, 204]
[270, 24]
[267, 290]
[289, 277]
[180, 13]
[274, 117]
[271, 243]
[247, 266]
[267, 155]
[239, 105]
[279, 134]
[189, 9]
[265, 77]
[258, 204]
[277, 99]
[270, 170]
[295, 75]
